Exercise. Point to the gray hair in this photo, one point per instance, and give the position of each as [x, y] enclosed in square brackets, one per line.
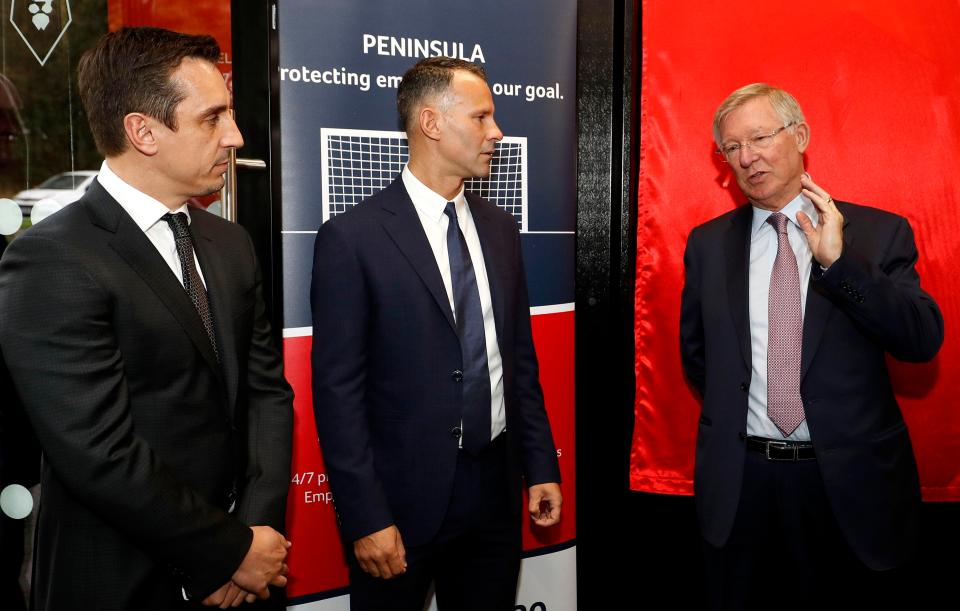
[784, 104]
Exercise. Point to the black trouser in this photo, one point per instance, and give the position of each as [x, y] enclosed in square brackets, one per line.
[786, 550]
[474, 560]
[11, 559]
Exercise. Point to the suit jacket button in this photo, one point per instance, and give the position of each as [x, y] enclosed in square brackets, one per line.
[456, 432]
[457, 375]
[744, 387]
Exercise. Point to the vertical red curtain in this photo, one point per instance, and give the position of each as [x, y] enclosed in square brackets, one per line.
[879, 84]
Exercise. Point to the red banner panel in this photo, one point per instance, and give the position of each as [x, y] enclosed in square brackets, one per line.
[316, 558]
[879, 87]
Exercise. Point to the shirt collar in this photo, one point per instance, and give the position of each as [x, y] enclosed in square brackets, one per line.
[797, 204]
[143, 209]
[428, 202]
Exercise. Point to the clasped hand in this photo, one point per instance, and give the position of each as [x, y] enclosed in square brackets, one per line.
[263, 566]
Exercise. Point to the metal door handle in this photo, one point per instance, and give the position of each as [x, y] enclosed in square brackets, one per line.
[228, 194]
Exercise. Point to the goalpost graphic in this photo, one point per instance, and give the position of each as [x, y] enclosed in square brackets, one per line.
[356, 163]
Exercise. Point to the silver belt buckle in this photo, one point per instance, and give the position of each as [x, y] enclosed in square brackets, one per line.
[780, 445]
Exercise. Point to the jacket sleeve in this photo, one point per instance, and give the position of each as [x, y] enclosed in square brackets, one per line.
[539, 454]
[692, 341]
[340, 305]
[883, 295]
[269, 433]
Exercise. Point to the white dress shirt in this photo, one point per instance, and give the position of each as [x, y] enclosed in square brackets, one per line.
[430, 206]
[148, 213]
[763, 252]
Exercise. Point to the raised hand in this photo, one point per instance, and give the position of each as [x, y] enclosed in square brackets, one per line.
[826, 239]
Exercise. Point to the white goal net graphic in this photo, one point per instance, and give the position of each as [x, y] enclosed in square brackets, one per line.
[356, 163]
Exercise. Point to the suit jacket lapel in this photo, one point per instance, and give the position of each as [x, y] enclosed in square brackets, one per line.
[135, 248]
[404, 228]
[218, 291]
[493, 258]
[737, 255]
[817, 312]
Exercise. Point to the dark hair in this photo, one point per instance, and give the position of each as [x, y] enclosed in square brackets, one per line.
[129, 71]
[429, 77]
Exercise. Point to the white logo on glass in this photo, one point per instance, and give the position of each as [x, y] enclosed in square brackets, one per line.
[41, 9]
[41, 24]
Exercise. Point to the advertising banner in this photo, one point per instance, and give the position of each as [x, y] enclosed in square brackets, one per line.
[339, 66]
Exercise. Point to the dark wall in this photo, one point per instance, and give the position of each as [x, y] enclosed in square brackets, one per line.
[256, 101]
[631, 546]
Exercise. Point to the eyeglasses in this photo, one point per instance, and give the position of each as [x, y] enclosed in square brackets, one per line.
[757, 143]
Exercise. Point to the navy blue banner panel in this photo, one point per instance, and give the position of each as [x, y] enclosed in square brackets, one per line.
[340, 64]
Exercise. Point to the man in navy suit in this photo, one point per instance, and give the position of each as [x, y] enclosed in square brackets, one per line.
[425, 380]
[790, 306]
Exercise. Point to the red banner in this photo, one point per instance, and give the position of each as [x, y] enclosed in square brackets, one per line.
[311, 522]
[878, 85]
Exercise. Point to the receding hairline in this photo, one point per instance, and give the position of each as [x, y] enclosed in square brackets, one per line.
[448, 91]
[182, 84]
[446, 94]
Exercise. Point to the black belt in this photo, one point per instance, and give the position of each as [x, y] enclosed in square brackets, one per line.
[781, 450]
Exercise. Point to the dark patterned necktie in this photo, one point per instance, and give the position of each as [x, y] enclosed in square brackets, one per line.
[191, 276]
[473, 342]
[785, 339]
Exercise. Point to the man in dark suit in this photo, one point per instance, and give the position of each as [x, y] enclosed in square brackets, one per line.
[425, 379]
[790, 305]
[135, 333]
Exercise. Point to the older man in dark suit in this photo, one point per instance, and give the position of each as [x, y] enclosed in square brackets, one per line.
[425, 379]
[135, 333]
[790, 307]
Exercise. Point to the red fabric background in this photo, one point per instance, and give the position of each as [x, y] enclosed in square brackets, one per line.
[879, 84]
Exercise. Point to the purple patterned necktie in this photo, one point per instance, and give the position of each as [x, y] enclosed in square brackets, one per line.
[191, 276]
[785, 339]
